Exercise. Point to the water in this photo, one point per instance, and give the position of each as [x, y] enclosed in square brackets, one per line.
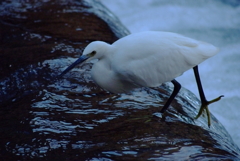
[42, 116]
[214, 21]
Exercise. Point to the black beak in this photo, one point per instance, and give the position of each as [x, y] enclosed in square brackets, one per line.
[78, 61]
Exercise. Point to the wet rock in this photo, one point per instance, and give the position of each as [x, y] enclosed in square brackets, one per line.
[72, 118]
[32, 32]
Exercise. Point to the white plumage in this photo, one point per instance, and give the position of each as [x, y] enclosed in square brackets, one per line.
[145, 59]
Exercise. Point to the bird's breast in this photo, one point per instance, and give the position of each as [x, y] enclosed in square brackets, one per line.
[105, 76]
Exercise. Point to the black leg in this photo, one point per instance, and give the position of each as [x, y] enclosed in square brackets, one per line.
[199, 84]
[177, 87]
[204, 102]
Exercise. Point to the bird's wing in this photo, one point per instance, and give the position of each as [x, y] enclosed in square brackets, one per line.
[194, 51]
[151, 62]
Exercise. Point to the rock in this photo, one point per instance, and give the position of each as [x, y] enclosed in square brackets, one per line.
[72, 118]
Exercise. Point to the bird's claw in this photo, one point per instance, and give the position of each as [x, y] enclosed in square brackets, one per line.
[204, 106]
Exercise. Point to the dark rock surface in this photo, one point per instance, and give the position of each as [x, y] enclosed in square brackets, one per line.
[73, 119]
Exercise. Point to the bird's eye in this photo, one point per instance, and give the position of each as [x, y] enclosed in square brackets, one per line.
[93, 53]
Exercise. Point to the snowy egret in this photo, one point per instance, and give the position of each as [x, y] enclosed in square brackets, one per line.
[147, 59]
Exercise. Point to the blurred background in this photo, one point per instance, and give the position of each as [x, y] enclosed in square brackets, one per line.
[216, 22]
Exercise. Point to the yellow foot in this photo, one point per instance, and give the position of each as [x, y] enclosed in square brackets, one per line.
[204, 106]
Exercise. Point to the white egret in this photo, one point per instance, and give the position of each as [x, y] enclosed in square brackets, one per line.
[147, 59]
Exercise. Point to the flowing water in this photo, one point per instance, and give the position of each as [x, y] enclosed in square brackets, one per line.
[44, 118]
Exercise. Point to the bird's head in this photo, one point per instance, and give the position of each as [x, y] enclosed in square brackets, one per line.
[94, 50]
